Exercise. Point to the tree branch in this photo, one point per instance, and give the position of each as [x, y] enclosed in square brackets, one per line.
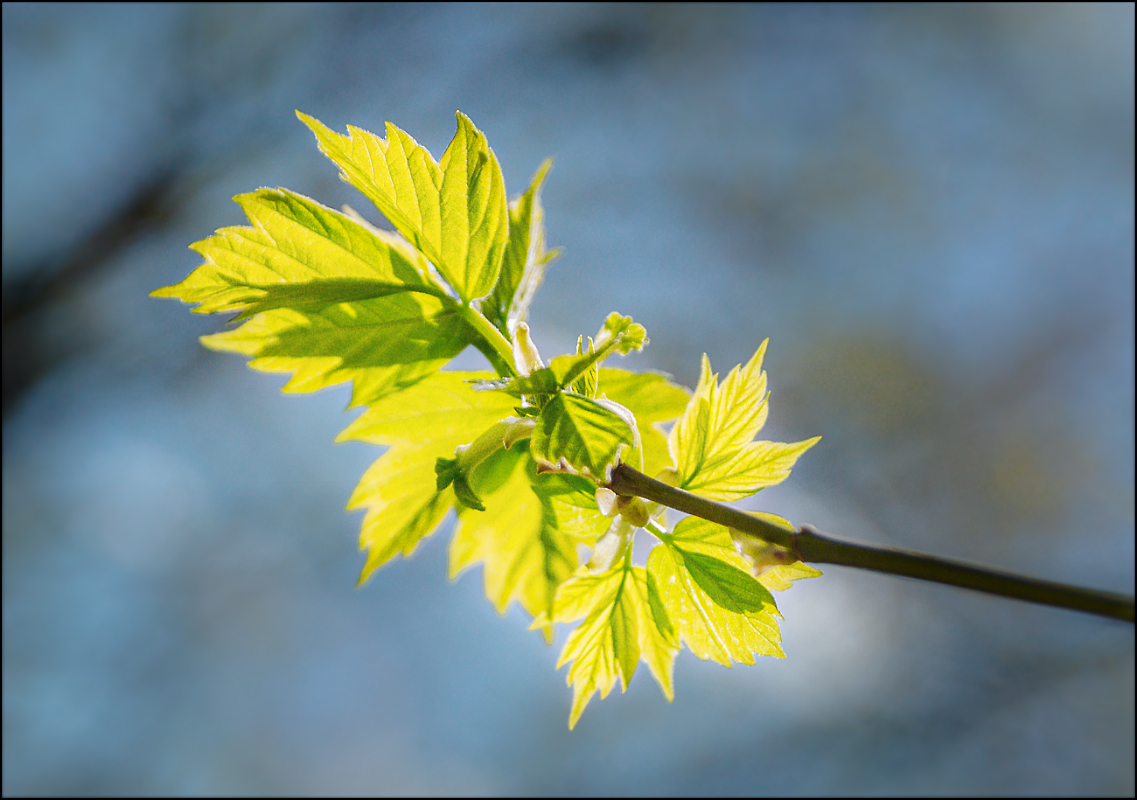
[813, 547]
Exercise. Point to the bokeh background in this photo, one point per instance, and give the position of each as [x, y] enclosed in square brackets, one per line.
[927, 209]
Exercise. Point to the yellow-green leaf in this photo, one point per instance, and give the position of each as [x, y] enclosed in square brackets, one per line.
[525, 558]
[298, 252]
[420, 424]
[653, 399]
[583, 432]
[475, 216]
[524, 260]
[754, 466]
[382, 345]
[711, 442]
[570, 505]
[719, 610]
[624, 621]
[711, 539]
[330, 300]
[397, 174]
[453, 211]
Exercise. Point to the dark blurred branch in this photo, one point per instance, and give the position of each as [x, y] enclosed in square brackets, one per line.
[27, 355]
[812, 547]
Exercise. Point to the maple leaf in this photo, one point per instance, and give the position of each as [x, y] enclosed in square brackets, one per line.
[525, 258]
[624, 621]
[330, 299]
[420, 425]
[720, 610]
[454, 211]
[525, 555]
[711, 441]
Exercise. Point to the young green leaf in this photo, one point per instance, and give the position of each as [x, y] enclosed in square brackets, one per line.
[586, 383]
[574, 372]
[525, 557]
[624, 621]
[720, 611]
[299, 253]
[420, 424]
[453, 211]
[397, 174]
[475, 216]
[653, 399]
[382, 345]
[523, 264]
[331, 300]
[717, 541]
[569, 505]
[711, 441]
[618, 335]
[584, 433]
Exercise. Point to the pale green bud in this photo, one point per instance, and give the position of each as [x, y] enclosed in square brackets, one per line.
[525, 355]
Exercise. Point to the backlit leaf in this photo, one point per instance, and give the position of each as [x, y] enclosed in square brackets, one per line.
[525, 258]
[719, 610]
[583, 432]
[711, 442]
[522, 455]
[711, 539]
[475, 217]
[525, 557]
[453, 211]
[331, 300]
[653, 399]
[624, 620]
[397, 174]
[382, 344]
[618, 335]
[420, 424]
[569, 503]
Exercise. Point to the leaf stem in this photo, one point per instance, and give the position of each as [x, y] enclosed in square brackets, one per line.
[492, 337]
[811, 546]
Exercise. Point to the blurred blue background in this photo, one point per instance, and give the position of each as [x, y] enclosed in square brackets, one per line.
[927, 209]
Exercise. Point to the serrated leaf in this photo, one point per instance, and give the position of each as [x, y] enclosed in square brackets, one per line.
[755, 466]
[475, 217]
[653, 399]
[714, 540]
[453, 211]
[782, 577]
[572, 371]
[586, 434]
[622, 333]
[720, 611]
[586, 384]
[332, 301]
[525, 258]
[298, 254]
[711, 440]
[525, 558]
[569, 503]
[382, 345]
[397, 174]
[420, 425]
[624, 621]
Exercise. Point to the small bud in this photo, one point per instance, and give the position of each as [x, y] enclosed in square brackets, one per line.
[634, 510]
[525, 355]
[606, 501]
